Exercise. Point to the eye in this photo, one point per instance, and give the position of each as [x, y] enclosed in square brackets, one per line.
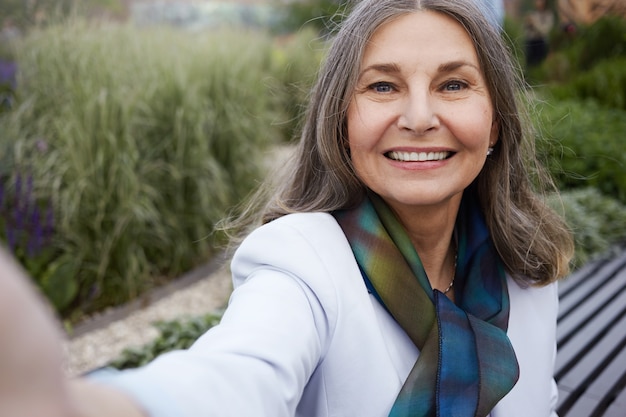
[382, 87]
[454, 85]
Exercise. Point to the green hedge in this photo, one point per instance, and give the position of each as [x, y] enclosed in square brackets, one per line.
[295, 65]
[583, 144]
[605, 83]
[597, 221]
[125, 147]
[573, 54]
[592, 44]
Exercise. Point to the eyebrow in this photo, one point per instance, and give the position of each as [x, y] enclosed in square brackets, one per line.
[384, 68]
[453, 65]
[392, 68]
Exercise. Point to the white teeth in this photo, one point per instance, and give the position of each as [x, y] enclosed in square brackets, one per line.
[418, 156]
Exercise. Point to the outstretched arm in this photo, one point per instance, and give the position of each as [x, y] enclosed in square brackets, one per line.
[32, 380]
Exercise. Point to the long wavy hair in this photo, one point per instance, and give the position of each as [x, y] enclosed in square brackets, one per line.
[532, 240]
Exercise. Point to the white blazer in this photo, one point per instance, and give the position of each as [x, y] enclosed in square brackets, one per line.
[303, 337]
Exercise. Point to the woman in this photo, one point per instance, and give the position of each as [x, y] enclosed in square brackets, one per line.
[404, 268]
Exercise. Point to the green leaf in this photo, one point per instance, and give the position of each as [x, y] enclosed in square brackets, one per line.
[60, 282]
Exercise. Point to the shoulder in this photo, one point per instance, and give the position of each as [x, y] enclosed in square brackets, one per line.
[310, 251]
[311, 225]
[310, 247]
[294, 237]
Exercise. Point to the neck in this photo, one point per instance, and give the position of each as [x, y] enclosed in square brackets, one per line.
[431, 231]
[440, 266]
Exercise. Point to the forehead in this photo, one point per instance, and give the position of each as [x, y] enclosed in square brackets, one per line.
[424, 36]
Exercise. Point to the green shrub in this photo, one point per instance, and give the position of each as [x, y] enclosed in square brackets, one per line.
[173, 335]
[604, 39]
[583, 145]
[597, 221]
[140, 141]
[513, 34]
[294, 65]
[604, 83]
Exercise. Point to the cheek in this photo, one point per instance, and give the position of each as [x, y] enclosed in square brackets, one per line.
[357, 128]
[358, 141]
[475, 129]
[366, 124]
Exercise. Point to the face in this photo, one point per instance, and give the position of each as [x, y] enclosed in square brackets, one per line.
[421, 119]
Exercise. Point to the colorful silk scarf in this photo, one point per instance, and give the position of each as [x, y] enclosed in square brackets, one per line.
[466, 362]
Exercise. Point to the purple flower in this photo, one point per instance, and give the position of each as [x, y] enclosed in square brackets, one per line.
[29, 189]
[10, 238]
[36, 235]
[8, 73]
[17, 210]
[41, 145]
[28, 225]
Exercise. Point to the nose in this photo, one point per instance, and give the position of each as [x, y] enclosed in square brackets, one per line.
[417, 113]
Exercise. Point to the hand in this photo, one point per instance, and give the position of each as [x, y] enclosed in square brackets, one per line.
[32, 381]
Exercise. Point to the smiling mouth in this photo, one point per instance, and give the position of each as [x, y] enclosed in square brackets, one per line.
[418, 156]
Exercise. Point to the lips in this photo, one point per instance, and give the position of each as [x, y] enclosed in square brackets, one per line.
[418, 156]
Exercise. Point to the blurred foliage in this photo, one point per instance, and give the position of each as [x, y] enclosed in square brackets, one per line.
[580, 92]
[604, 39]
[604, 83]
[295, 62]
[27, 14]
[323, 15]
[583, 145]
[597, 221]
[513, 35]
[139, 150]
[573, 53]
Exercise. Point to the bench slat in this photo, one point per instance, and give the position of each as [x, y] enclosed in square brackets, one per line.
[601, 354]
[571, 283]
[613, 373]
[592, 333]
[582, 408]
[589, 308]
[576, 289]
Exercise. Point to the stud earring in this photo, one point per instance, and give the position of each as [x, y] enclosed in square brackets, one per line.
[489, 151]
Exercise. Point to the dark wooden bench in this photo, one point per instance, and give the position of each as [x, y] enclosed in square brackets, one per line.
[591, 340]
